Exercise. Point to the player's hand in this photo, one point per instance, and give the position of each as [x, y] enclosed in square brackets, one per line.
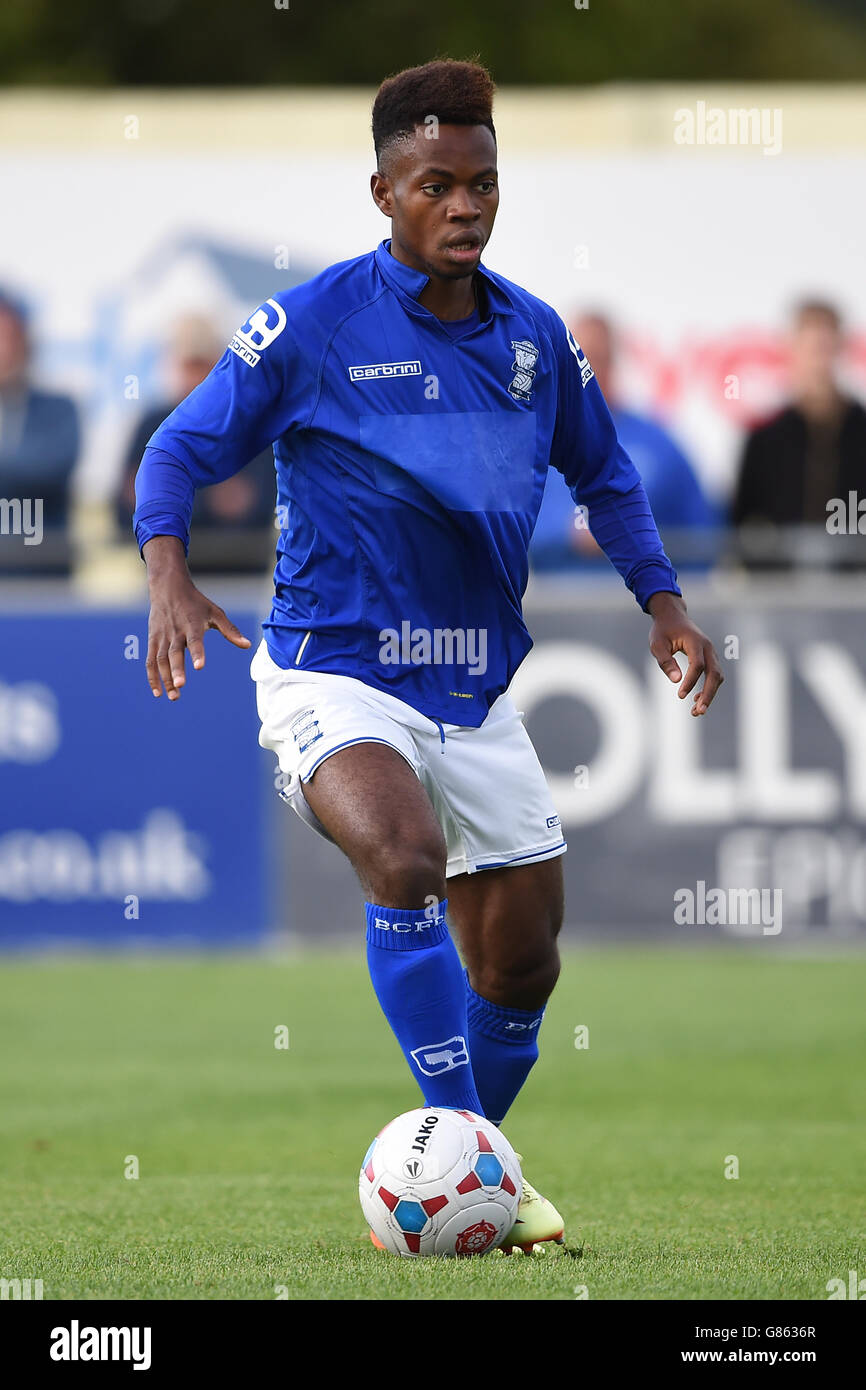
[180, 615]
[673, 631]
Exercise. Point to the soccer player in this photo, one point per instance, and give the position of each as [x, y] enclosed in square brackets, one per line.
[416, 400]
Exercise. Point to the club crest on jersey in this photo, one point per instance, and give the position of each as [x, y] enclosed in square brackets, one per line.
[259, 332]
[523, 366]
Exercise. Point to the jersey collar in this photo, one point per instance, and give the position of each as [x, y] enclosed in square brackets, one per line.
[409, 283]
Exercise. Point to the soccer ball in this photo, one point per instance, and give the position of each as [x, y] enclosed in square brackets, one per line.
[440, 1182]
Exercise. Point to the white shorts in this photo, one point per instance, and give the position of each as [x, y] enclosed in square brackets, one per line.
[486, 785]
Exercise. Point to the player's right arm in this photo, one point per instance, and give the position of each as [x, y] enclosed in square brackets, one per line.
[260, 388]
[180, 615]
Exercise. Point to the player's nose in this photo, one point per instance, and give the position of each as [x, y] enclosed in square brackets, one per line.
[463, 208]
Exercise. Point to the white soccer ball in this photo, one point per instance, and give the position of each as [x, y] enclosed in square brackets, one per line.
[440, 1182]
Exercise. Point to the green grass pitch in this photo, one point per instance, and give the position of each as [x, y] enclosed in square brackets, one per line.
[248, 1154]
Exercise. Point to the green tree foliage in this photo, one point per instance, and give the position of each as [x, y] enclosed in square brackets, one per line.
[253, 42]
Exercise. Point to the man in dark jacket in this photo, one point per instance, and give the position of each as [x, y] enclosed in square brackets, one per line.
[234, 519]
[814, 450]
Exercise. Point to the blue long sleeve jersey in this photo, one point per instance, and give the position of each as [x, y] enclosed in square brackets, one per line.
[411, 462]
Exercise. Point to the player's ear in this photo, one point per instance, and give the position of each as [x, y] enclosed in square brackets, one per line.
[381, 191]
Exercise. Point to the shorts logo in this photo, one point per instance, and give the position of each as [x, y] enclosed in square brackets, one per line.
[384, 369]
[552, 821]
[305, 730]
[259, 331]
[441, 1057]
[523, 366]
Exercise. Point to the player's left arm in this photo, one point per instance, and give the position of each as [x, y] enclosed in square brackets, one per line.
[603, 479]
[673, 631]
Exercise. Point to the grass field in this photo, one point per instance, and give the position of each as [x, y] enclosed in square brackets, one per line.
[248, 1155]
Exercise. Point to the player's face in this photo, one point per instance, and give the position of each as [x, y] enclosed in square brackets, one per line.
[441, 194]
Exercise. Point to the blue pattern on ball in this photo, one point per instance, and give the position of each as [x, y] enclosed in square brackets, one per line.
[410, 1216]
[489, 1170]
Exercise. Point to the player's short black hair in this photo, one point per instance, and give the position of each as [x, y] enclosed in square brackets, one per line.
[455, 91]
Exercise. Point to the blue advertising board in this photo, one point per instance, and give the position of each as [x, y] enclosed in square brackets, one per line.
[127, 820]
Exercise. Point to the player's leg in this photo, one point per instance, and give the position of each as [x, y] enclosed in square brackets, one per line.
[508, 920]
[373, 806]
[505, 891]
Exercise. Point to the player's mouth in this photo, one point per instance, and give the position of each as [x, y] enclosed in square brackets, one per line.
[464, 249]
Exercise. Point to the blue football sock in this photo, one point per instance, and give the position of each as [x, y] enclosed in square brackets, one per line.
[503, 1045]
[418, 979]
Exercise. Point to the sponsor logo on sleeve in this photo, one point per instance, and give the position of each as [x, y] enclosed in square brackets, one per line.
[259, 331]
[586, 372]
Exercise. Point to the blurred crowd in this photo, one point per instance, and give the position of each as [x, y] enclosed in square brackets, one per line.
[779, 514]
[791, 468]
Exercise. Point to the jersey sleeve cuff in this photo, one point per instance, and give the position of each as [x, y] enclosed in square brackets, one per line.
[167, 526]
[656, 577]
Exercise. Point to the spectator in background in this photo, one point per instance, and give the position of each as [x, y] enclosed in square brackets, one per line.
[813, 450]
[243, 503]
[39, 444]
[674, 493]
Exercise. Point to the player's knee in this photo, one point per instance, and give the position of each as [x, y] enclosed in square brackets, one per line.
[524, 982]
[409, 872]
[548, 971]
[540, 982]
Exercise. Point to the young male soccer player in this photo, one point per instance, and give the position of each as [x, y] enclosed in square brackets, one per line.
[416, 400]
